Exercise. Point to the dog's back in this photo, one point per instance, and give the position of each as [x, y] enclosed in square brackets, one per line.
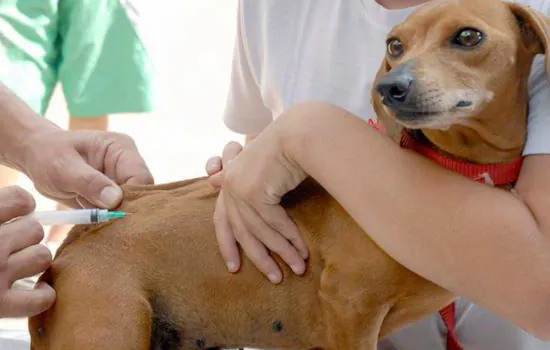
[156, 280]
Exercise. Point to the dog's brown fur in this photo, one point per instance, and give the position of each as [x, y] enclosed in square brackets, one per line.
[155, 280]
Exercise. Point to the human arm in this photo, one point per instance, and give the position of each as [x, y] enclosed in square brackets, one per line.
[479, 242]
[83, 166]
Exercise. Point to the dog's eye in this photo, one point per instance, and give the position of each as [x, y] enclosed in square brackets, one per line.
[468, 37]
[394, 47]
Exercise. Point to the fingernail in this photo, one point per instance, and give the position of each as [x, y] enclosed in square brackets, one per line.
[40, 285]
[273, 278]
[305, 255]
[110, 196]
[211, 165]
[231, 266]
[298, 269]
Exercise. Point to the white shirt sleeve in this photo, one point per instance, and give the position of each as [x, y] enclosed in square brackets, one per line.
[245, 112]
[538, 126]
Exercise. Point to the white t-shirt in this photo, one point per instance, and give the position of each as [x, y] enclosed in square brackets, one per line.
[291, 51]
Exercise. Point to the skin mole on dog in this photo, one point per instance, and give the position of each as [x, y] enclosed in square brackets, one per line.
[41, 332]
[277, 326]
[201, 343]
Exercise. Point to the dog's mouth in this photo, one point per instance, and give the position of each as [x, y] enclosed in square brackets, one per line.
[419, 117]
[409, 115]
[464, 104]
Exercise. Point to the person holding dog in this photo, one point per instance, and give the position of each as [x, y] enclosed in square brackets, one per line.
[75, 168]
[493, 250]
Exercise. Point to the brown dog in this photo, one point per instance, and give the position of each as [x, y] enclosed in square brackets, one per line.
[455, 70]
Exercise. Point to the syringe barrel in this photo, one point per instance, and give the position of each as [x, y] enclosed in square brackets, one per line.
[66, 217]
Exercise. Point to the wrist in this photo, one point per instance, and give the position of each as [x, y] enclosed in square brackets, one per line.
[19, 126]
[308, 124]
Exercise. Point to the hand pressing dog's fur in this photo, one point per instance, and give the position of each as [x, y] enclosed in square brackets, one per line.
[155, 280]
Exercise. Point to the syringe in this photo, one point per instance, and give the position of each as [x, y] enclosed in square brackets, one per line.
[76, 216]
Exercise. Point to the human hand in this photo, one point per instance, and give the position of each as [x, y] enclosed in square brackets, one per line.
[83, 168]
[215, 165]
[21, 255]
[248, 209]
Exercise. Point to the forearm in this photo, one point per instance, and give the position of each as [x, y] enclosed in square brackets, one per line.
[479, 242]
[18, 123]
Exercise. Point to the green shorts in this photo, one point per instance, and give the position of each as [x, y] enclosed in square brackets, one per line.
[91, 47]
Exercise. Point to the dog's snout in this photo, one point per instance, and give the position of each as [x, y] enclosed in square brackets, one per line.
[395, 87]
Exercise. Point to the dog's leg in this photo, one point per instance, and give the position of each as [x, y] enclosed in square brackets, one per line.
[353, 316]
[349, 329]
[95, 314]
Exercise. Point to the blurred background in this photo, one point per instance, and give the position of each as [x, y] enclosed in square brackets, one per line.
[191, 43]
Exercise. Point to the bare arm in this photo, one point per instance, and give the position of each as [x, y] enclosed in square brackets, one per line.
[18, 122]
[480, 242]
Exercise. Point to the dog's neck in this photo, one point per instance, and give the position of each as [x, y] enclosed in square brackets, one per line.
[496, 135]
[486, 149]
[496, 174]
[482, 144]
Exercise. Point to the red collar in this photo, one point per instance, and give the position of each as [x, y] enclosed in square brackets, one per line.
[494, 174]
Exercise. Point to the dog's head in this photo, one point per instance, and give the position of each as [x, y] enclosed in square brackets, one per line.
[458, 69]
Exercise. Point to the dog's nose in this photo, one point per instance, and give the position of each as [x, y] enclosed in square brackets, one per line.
[395, 87]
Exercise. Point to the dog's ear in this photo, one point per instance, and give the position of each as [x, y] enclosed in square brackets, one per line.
[535, 30]
[391, 128]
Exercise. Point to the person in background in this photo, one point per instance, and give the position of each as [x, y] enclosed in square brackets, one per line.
[492, 251]
[93, 48]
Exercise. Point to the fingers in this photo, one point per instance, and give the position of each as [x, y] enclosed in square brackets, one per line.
[26, 303]
[213, 165]
[273, 240]
[226, 239]
[28, 262]
[140, 176]
[130, 166]
[278, 219]
[230, 151]
[254, 249]
[216, 179]
[19, 234]
[89, 183]
[21, 256]
[14, 202]
[83, 203]
[118, 156]
[213, 169]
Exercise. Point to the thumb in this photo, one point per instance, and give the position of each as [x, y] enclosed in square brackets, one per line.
[87, 182]
[216, 179]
